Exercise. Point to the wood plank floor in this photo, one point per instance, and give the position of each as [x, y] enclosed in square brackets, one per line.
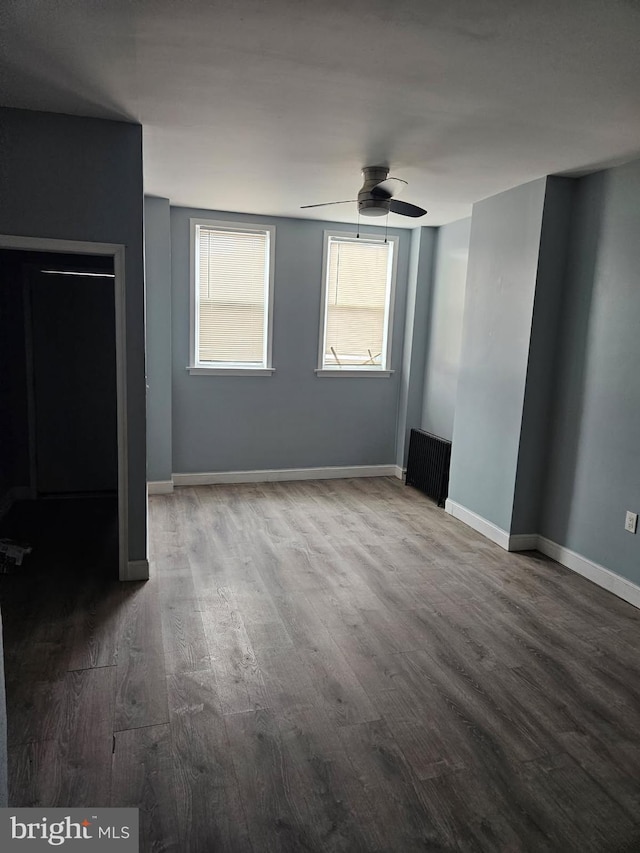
[329, 666]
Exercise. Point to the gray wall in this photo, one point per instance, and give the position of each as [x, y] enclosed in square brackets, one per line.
[292, 419]
[501, 279]
[594, 464]
[416, 333]
[543, 351]
[81, 179]
[445, 329]
[157, 235]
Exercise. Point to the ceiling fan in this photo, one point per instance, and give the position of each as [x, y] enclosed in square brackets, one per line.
[376, 196]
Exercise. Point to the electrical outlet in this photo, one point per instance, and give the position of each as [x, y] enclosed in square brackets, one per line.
[631, 521]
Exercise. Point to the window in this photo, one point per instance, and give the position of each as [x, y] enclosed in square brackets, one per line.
[232, 293]
[359, 279]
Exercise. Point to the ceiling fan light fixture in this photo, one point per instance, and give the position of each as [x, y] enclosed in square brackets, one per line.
[373, 207]
[376, 195]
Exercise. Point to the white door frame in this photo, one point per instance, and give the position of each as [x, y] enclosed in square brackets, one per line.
[116, 251]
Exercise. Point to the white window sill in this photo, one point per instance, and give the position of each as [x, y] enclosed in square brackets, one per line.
[351, 373]
[230, 371]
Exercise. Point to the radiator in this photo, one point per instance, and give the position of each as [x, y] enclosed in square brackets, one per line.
[428, 464]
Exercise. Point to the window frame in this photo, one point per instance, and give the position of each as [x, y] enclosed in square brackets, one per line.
[384, 371]
[228, 368]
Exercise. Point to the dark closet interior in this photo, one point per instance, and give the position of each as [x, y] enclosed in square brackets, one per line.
[58, 399]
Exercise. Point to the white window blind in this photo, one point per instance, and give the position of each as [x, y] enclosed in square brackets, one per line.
[232, 287]
[358, 283]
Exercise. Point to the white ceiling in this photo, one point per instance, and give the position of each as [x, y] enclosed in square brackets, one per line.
[264, 105]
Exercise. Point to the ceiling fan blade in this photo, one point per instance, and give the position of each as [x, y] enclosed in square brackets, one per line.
[405, 209]
[327, 203]
[388, 188]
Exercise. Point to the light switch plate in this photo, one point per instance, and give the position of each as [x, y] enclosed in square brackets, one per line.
[631, 521]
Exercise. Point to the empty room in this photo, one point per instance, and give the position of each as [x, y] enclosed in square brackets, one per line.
[319, 462]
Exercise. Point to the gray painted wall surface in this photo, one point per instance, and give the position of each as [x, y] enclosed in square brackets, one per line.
[594, 464]
[445, 329]
[81, 179]
[416, 331]
[543, 347]
[292, 419]
[501, 278]
[157, 231]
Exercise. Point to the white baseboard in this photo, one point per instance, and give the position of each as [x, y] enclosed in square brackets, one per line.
[594, 572]
[284, 475]
[165, 487]
[137, 570]
[481, 525]
[600, 575]
[160, 487]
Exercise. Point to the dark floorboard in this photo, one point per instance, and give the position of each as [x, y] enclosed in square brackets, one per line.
[323, 666]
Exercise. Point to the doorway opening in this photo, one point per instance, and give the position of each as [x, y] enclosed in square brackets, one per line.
[62, 458]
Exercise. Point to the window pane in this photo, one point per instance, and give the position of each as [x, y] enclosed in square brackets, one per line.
[233, 271]
[357, 285]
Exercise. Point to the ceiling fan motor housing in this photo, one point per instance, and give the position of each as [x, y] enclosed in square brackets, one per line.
[368, 204]
[377, 195]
